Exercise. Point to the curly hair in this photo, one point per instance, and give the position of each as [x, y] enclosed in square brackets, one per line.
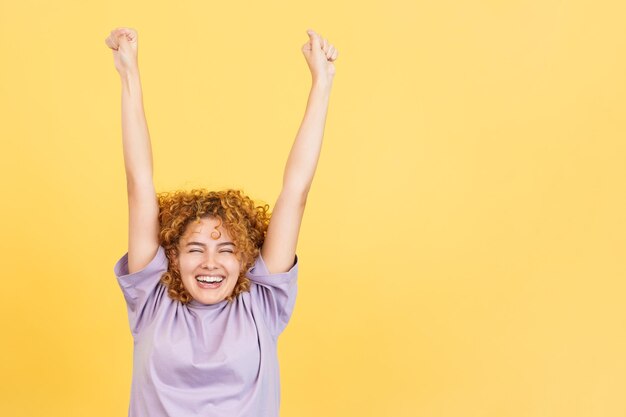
[244, 220]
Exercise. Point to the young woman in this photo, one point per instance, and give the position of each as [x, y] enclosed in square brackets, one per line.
[210, 277]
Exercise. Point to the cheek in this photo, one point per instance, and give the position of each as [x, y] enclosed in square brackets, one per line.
[232, 263]
[235, 271]
[182, 265]
[185, 267]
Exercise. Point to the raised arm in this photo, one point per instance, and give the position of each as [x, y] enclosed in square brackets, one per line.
[279, 248]
[143, 221]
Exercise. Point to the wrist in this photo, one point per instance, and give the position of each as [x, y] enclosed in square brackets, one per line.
[322, 83]
[129, 75]
[131, 82]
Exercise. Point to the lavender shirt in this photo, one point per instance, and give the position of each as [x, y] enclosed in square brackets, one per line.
[206, 360]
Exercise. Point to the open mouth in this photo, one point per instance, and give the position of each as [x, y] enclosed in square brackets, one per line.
[208, 282]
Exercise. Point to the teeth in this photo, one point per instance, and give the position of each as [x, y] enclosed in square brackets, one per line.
[209, 279]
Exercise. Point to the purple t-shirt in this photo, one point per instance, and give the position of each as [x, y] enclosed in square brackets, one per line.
[206, 360]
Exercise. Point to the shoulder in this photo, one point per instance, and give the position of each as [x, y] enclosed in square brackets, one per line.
[159, 263]
[259, 273]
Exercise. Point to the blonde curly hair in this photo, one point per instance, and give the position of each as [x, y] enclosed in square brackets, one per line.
[244, 220]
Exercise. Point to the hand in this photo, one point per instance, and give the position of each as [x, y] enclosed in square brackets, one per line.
[123, 42]
[319, 55]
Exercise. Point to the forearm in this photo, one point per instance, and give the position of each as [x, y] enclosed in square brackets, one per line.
[135, 136]
[305, 152]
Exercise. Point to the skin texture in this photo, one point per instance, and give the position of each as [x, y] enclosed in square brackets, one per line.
[214, 258]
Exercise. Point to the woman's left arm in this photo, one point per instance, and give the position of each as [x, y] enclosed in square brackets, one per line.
[279, 248]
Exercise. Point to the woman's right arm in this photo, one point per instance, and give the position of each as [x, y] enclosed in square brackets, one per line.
[143, 208]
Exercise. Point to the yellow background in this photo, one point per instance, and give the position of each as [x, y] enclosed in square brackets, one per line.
[462, 252]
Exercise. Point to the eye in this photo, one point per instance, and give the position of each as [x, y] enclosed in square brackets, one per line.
[195, 250]
[227, 251]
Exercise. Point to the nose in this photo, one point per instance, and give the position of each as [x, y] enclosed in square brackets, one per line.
[209, 261]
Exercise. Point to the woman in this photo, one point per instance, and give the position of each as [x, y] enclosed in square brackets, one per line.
[210, 278]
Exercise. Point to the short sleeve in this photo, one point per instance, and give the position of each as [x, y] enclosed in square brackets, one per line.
[275, 294]
[142, 289]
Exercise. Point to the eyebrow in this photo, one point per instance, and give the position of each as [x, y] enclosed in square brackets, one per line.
[204, 246]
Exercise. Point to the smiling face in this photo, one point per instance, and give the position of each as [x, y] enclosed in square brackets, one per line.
[204, 257]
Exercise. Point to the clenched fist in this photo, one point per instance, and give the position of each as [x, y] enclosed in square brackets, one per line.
[123, 42]
[320, 55]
